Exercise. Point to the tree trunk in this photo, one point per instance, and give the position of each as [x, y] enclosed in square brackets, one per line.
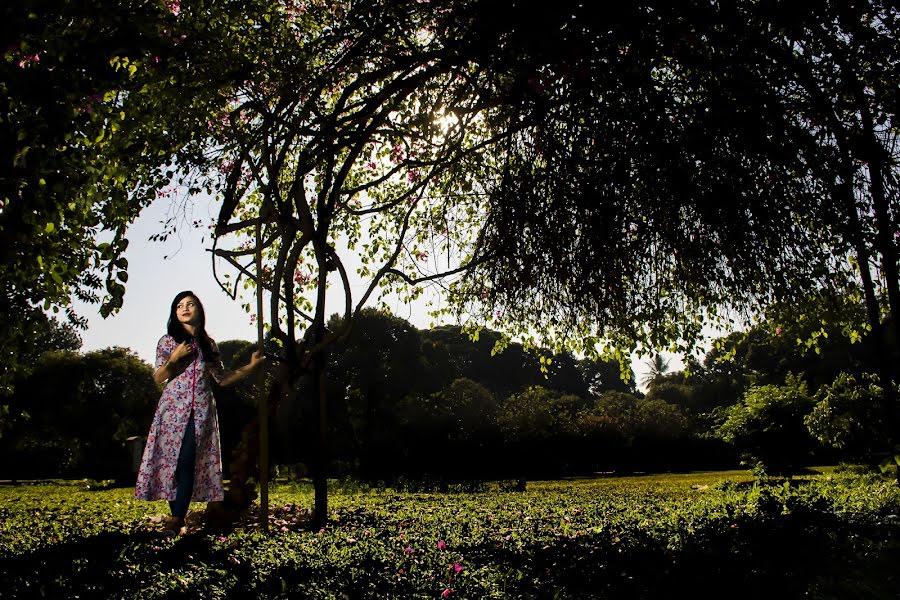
[320, 481]
[874, 155]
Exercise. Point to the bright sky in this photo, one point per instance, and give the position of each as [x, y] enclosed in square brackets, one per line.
[157, 271]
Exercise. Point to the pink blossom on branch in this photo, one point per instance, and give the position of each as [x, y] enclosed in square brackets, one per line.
[397, 153]
[29, 60]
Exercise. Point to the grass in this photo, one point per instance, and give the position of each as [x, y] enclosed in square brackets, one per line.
[823, 535]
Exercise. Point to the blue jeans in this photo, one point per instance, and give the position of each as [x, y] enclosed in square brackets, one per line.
[184, 472]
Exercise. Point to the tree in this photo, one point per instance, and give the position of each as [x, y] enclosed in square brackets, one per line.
[451, 433]
[596, 181]
[81, 409]
[817, 337]
[592, 183]
[768, 425]
[44, 335]
[370, 374]
[601, 375]
[676, 390]
[842, 61]
[786, 114]
[849, 416]
[453, 351]
[101, 101]
[657, 368]
[538, 413]
[538, 426]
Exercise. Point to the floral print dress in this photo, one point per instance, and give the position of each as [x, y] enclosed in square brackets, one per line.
[189, 391]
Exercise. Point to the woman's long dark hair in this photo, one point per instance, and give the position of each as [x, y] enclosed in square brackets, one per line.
[176, 329]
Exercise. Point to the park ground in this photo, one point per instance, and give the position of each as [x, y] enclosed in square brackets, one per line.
[832, 533]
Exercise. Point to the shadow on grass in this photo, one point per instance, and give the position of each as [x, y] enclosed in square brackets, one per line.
[804, 554]
[112, 564]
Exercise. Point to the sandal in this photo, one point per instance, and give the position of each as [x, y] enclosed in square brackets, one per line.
[174, 525]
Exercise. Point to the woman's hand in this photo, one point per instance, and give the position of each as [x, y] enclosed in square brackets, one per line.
[170, 368]
[181, 351]
[256, 359]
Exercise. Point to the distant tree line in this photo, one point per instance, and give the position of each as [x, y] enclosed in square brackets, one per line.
[71, 413]
[794, 390]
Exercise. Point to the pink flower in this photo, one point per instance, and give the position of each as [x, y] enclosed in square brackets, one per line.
[441, 545]
[28, 60]
[407, 550]
[174, 6]
[397, 153]
[457, 567]
[446, 593]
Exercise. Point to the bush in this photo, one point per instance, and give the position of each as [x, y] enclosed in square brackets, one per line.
[850, 416]
[767, 426]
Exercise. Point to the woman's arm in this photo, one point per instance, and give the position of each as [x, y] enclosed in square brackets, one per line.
[232, 377]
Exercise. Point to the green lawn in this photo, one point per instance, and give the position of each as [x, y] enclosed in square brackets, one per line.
[827, 535]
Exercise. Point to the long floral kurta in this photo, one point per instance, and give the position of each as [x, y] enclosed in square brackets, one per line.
[190, 390]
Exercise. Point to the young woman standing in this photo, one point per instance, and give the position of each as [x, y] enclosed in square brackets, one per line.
[182, 460]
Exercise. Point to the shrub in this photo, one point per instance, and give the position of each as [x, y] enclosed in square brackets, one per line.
[767, 426]
[850, 415]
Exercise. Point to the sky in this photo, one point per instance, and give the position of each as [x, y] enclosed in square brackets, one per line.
[158, 270]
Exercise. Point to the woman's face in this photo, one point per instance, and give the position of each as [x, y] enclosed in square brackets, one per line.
[188, 311]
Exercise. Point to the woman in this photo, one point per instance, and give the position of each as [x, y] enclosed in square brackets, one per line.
[182, 460]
